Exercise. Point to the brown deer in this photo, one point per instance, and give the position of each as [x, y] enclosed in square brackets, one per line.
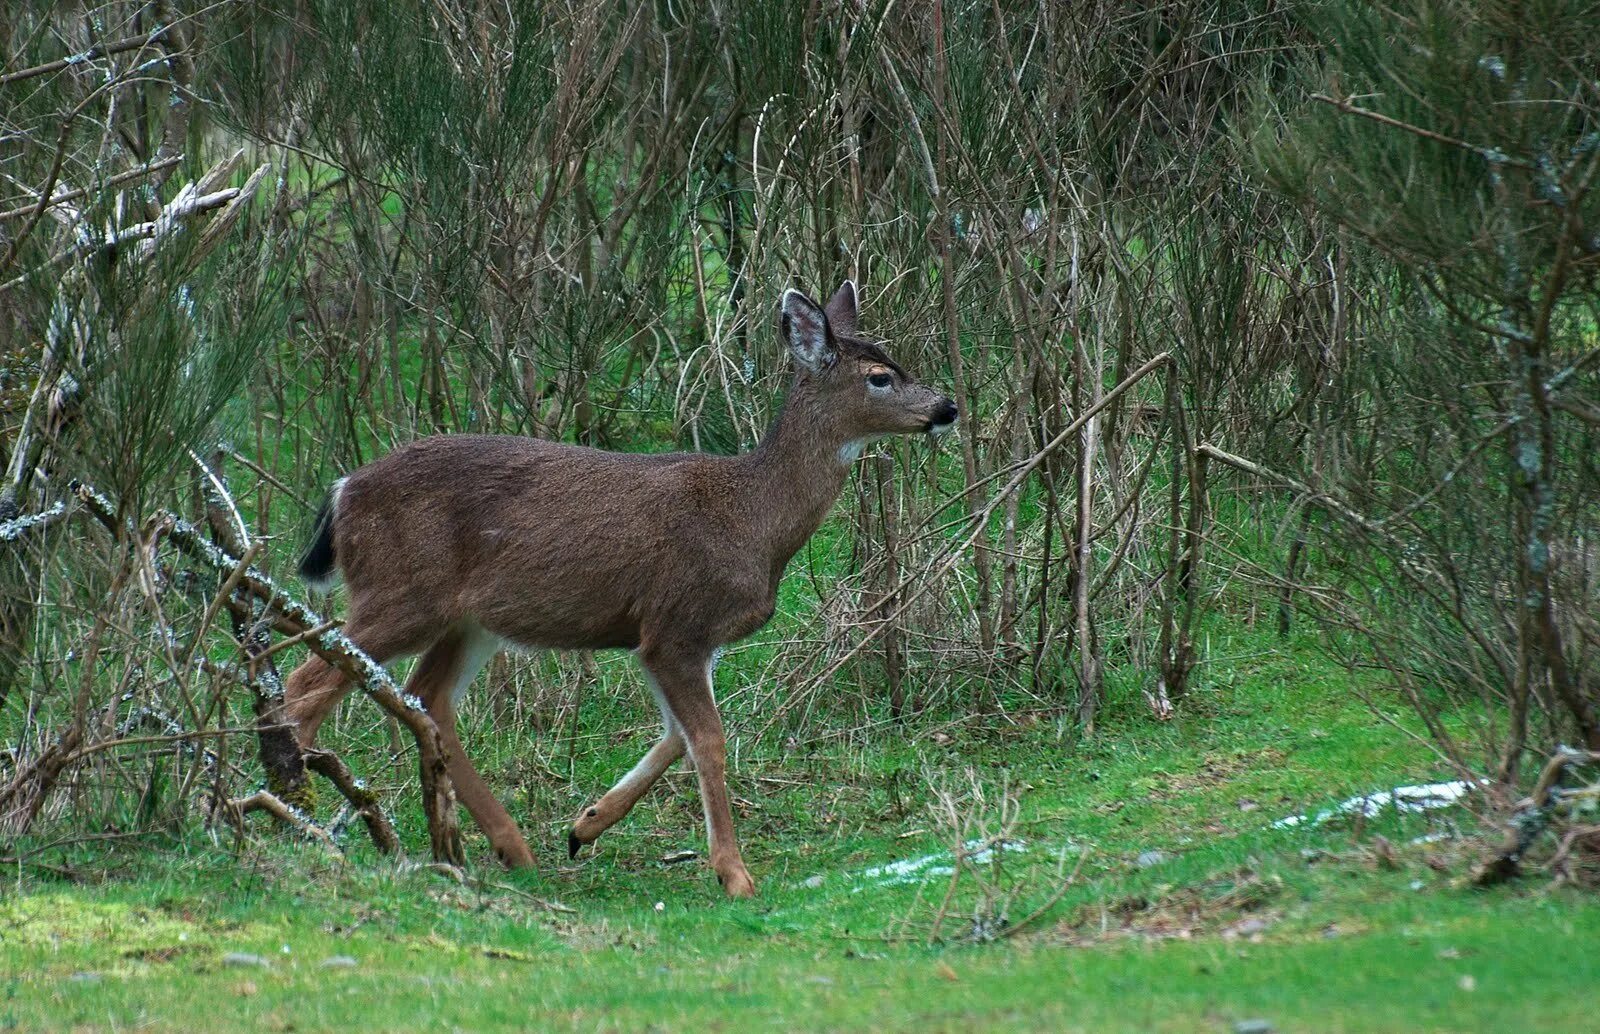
[457, 546]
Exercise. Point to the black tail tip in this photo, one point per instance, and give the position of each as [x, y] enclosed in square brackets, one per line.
[316, 567]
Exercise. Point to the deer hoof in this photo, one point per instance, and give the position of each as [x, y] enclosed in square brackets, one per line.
[518, 859]
[574, 845]
[737, 884]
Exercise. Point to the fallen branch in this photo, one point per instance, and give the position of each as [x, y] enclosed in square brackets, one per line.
[1531, 817]
[265, 800]
[192, 200]
[19, 526]
[295, 640]
[120, 178]
[366, 803]
[290, 616]
[95, 52]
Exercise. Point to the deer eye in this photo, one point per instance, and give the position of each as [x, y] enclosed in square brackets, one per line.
[880, 380]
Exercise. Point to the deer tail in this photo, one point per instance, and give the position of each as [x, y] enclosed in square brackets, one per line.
[319, 567]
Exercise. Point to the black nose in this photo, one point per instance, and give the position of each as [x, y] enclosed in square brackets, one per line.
[944, 413]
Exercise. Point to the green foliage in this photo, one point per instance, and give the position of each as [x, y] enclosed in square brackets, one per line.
[1472, 176]
[171, 346]
[1459, 140]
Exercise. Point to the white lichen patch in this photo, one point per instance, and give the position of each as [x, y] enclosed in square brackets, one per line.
[12, 529]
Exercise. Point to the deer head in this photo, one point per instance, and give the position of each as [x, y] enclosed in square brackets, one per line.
[858, 393]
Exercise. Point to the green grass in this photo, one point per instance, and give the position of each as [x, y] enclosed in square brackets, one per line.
[1338, 927]
[429, 957]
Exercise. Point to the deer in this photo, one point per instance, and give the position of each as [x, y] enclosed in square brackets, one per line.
[457, 546]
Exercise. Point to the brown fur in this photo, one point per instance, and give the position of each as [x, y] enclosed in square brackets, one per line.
[540, 544]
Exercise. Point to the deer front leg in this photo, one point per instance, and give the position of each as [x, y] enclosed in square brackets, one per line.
[684, 678]
[620, 799]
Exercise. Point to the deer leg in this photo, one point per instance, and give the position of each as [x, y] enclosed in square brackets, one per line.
[684, 677]
[315, 688]
[310, 694]
[620, 799]
[441, 675]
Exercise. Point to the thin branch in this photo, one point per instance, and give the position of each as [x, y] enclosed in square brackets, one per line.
[264, 800]
[1489, 154]
[113, 181]
[97, 51]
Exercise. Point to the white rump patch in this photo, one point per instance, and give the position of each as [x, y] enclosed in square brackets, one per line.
[478, 644]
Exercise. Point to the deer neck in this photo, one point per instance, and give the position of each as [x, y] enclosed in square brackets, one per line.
[796, 473]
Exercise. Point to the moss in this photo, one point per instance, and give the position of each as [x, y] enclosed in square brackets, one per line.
[300, 795]
[58, 921]
[53, 919]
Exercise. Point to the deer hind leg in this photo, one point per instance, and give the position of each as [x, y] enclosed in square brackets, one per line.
[315, 688]
[684, 676]
[620, 799]
[442, 674]
[310, 694]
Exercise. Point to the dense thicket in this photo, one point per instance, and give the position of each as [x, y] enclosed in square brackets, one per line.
[245, 247]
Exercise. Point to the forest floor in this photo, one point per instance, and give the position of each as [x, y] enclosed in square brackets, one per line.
[1190, 906]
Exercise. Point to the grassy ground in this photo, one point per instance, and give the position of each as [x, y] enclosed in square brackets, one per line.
[1189, 911]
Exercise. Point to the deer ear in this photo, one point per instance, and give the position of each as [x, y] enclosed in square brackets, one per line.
[841, 310]
[805, 327]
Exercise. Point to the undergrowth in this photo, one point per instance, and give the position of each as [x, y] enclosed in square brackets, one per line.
[1169, 899]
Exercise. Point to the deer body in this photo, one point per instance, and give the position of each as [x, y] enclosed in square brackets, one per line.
[456, 546]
